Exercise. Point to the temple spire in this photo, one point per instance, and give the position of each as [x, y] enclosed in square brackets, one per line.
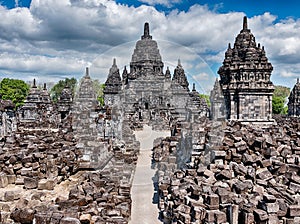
[45, 86]
[114, 62]
[87, 75]
[146, 32]
[194, 87]
[297, 80]
[179, 62]
[34, 84]
[245, 23]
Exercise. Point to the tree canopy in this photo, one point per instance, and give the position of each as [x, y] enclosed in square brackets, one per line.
[15, 90]
[99, 91]
[58, 87]
[280, 96]
[206, 97]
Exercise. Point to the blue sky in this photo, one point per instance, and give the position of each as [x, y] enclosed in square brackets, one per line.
[282, 9]
[53, 39]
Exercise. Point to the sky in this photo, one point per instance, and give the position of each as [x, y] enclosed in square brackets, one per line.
[53, 39]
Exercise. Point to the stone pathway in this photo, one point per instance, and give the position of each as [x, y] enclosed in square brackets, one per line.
[142, 192]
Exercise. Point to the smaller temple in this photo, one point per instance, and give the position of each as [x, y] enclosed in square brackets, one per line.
[65, 101]
[294, 100]
[113, 84]
[45, 96]
[179, 76]
[38, 110]
[245, 80]
[95, 153]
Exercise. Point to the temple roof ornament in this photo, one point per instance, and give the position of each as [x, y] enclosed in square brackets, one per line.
[168, 73]
[87, 73]
[180, 77]
[146, 56]
[113, 83]
[146, 32]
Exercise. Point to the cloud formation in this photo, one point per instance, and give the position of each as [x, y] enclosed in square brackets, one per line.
[167, 3]
[57, 38]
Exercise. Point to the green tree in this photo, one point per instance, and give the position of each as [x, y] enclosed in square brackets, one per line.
[280, 96]
[99, 87]
[206, 97]
[15, 90]
[58, 87]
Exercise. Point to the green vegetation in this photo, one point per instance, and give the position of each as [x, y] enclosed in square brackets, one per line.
[280, 96]
[99, 91]
[57, 88]
[206, 97]
[15, 90]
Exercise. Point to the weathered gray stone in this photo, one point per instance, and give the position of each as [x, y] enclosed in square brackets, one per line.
[3, 180]
[68, 220]
[24, 216]
[294, 210]
[260, 215]
[45, 184]
[30, 183]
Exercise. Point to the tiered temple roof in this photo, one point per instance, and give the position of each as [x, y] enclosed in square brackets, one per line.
[113, 83]
[246, 65]
[146, 56]
[179, 76]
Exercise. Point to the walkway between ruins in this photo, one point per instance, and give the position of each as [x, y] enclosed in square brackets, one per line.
[143, 208]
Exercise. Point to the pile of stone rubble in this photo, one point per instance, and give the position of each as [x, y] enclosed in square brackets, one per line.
[41, 180]
[252, 177]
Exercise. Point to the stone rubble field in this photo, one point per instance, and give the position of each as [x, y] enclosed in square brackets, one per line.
[253, 177]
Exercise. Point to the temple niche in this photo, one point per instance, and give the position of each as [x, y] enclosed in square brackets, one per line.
[245, 80]
[294, 100]
[149, 95]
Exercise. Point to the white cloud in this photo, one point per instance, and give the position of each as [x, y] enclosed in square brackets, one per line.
[61, 37]
[167, 3]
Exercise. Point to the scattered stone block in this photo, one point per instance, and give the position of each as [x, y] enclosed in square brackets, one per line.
[68, 220]
[294, 210]
[46, 184]
[30, 183]
[260, 215]
[3, 180]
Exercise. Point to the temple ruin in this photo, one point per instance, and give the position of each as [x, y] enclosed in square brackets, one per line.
[245, 80]
[294, 100]
[74, 161]
[147, 95]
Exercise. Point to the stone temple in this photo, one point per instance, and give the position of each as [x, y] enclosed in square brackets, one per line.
[148, 95]
[245, 80]
[75, 161]
[294, 100]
